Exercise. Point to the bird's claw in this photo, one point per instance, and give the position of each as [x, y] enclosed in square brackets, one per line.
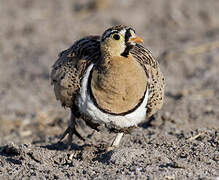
[70, 131]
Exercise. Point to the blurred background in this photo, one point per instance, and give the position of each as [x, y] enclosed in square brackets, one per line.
[182, 34]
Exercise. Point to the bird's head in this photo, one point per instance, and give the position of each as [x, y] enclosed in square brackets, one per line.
[119, 40]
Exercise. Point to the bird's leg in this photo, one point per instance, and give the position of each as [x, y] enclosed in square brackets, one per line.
[70, 131]
[115, 142]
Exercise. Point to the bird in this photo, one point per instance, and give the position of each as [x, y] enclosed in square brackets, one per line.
[110, 80]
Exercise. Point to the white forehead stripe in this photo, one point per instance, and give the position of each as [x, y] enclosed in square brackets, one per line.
[132, 33]
[122, 32]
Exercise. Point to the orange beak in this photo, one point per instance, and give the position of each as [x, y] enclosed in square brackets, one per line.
[136, 39]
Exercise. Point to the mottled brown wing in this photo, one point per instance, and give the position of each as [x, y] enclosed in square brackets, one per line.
[155, 76]
[70, 67]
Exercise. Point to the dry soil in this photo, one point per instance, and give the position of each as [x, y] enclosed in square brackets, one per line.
[179, 142]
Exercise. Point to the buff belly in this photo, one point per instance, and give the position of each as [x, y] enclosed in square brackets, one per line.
[87, 107]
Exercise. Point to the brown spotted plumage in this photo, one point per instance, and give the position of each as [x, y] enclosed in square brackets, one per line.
[155, 78]
[70, 67]
[108, 79]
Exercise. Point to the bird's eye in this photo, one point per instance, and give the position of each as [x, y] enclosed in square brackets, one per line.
[116, 36]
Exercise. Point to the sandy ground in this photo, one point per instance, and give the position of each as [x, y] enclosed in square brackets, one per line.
[180, 142]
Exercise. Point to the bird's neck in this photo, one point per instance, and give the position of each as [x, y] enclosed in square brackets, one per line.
[110, 50]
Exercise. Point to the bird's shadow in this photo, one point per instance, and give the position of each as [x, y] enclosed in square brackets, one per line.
[104, 157]
[61, 146]
[100, 153]
[147, 124]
